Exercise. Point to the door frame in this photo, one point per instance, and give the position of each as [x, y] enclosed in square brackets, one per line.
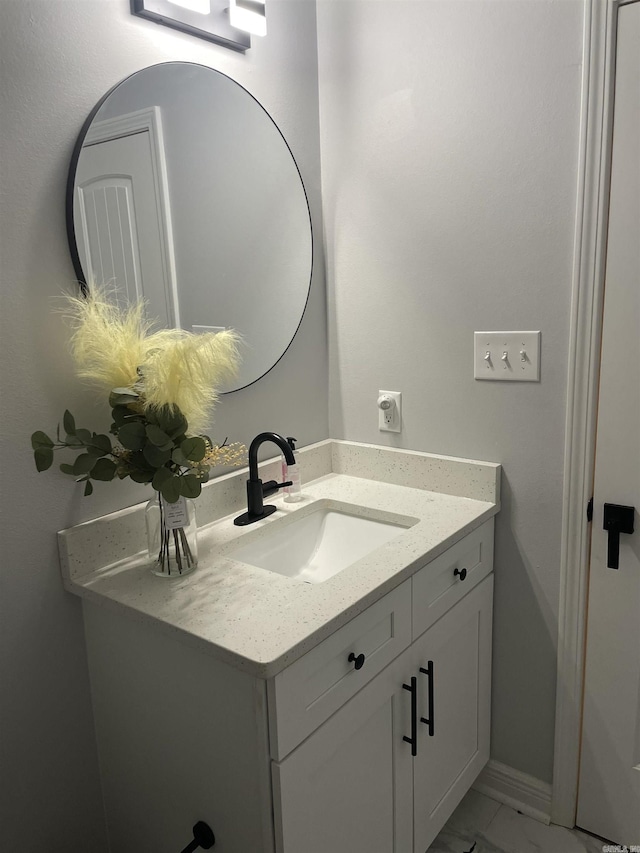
[587, 308]
[147, 120]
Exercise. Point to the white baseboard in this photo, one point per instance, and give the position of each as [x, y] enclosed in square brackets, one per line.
[522, 792]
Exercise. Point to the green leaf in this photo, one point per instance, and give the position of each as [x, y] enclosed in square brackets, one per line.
[170, 489]
[83, 435]
[84, 463]
[104, 470]
[40, 439]
[43, 457]
[133, 436]
[123, 397]
[179, 458]
[155, 456]
[102, 441]
[67, 469]
[69, 423]
[194, 448]
[88, 489]
[159, 478]
[190, 486]
[121, 415]
[136, 460]
[141, 476]
[158, 437]
[94, 451]
[172, 421]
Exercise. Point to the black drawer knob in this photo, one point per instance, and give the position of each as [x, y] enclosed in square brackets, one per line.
[358, 662]
[461, 572]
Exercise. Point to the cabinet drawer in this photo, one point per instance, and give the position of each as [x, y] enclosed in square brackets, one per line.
[305, 694]
[436, 588]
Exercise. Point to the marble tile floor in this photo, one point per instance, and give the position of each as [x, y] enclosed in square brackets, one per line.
[496, 828]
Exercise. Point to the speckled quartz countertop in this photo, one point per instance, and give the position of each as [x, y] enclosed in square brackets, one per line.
[259, 621]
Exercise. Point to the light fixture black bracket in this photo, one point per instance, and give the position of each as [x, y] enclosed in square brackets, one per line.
[213, 26]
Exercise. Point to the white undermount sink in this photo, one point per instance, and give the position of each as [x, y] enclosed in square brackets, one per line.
[319, 544]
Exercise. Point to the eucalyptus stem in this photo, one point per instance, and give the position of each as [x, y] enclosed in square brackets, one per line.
[176, 545]
[185, 547]
[167, 551]
[175, 551]
[160, 553]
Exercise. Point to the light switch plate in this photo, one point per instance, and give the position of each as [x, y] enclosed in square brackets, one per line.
[507, 356]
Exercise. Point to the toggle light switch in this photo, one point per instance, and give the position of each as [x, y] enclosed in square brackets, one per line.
[516, 359]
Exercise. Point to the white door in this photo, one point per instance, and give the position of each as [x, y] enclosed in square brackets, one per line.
[347, 788]
[120, 233]
[609, 783]
[454, 697]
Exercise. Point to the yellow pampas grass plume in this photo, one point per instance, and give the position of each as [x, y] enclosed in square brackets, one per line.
[113, 347]
[108, 343]
[186, 370]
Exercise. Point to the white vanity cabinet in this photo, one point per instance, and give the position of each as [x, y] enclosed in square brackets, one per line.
[385, 772]
[454, 747]
[329, 756]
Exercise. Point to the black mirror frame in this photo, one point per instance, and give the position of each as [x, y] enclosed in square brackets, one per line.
[70, 192]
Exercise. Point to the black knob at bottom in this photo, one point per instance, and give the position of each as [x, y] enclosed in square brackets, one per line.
[358, 662]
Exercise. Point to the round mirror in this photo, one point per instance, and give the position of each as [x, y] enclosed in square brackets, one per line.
[183, 191]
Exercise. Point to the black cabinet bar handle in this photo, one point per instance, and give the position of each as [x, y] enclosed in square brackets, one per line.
[462, 573]
[429, 720]
[413, 740]
[357, 661]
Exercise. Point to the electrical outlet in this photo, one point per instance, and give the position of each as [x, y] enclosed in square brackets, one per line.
[390, 411]
[510, 356]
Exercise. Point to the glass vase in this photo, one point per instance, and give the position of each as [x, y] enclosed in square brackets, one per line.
[172, 536]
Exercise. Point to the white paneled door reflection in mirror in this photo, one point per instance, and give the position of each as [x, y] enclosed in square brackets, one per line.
[183, 191]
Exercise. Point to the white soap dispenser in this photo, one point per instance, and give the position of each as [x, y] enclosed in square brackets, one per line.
[292, 472]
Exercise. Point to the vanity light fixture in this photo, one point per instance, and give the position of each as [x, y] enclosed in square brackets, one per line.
[207, 19]
[249, 15]
[203, 7]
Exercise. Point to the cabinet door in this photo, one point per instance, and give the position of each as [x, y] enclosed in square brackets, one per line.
[454, 746]
[348, 787]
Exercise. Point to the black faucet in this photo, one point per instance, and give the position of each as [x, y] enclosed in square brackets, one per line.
[256, 489]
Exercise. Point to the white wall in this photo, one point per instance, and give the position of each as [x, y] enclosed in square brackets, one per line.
[449, 138]
[449, 133]
[58, 57]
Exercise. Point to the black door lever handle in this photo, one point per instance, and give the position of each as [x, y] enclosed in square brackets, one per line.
[617, 519]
